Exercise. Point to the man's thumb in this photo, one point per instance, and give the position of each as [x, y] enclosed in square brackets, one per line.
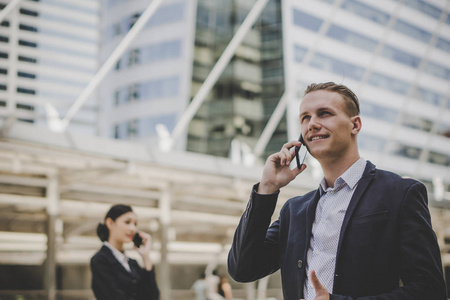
[318, 287]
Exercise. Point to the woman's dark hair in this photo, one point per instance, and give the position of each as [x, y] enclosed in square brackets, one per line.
[114, 212]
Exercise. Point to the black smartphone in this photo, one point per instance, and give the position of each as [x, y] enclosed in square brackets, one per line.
[300, 153]
[137, 240]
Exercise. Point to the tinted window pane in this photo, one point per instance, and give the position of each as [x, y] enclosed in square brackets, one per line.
[366, 11]
[307, 21]
[352, 38]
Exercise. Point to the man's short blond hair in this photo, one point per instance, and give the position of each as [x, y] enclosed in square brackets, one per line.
[350, 99]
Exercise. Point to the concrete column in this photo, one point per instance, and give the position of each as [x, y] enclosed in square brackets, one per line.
[165, 220]
[251, 290]
[262, 288]
[52, 194]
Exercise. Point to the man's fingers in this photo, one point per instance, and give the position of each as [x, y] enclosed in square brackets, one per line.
[291, 144]
[287, 153]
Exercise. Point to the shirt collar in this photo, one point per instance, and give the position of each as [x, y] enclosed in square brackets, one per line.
[350, 177]
[121, 257]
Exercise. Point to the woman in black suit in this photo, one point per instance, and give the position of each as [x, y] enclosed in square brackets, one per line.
[114, 275]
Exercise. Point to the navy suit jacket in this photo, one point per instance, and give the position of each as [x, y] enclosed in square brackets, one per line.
[111, 281]
[387, 247]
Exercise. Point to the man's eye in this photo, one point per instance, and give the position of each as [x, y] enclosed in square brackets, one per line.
[305, 118]
[323, 113]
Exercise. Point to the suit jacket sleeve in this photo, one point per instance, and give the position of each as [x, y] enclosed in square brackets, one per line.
[420, 265]
[147, 287]
[254, 252]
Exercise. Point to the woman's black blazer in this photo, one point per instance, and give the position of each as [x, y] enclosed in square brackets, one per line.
[111, 281]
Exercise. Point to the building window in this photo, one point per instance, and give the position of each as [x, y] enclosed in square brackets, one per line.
[3, 71]
[26, 75]
[133, 92]
[407, 151]
[379, 112]
[428, 96]
[389, 83]
[412, 31]
[401, 57]
[27, 44]
[132, 128]
[4, 39]
[24, 106]
[166, 14]
[5, 24]
[116, 132]
[116, 98]
[349, 37]
[443, 44]
[307, 21]
[437, 70]
[26, 91]
[28, 12]
[28, 28]
[424, 8]
[133, 20]
[3, 87]
[4, 55]
[417, 123]
[371, 143]
[366, 11]
[117, 29]
[444, 130]
[340, 67]
[134, 57]
[439, 158]
[299, 53]
[27, 59]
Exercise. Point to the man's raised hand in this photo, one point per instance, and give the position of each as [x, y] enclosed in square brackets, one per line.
[276, 173]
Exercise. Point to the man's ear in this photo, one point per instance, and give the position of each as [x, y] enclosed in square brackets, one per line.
[357, 125]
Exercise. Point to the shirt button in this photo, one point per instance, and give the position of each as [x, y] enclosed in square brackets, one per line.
[300, 264]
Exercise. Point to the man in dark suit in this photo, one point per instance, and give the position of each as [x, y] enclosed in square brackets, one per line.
[364, 234]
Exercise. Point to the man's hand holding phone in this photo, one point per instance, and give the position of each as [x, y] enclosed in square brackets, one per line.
[276, 173]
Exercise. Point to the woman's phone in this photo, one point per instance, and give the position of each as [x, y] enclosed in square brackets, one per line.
[137, 240]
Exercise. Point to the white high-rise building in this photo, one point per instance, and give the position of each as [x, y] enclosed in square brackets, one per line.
[395, 55]
[151, 82]
[48, 55]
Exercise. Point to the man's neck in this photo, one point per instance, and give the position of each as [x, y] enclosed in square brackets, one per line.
[332, 169]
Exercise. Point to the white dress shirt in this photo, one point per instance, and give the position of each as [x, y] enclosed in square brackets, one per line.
[121, 257]
[327, 224]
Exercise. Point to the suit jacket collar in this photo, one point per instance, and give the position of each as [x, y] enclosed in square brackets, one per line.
[310, 216]
[364, 182]
[107, 253]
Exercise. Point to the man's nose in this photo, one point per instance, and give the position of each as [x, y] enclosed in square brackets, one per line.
[313, 124]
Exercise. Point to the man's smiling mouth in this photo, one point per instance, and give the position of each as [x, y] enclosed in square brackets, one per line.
[319, 137]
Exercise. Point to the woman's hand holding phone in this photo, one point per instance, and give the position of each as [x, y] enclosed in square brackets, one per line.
[144, 248]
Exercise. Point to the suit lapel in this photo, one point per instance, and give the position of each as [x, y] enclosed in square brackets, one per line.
[310, 216]
[114, 262]
[366, 178]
